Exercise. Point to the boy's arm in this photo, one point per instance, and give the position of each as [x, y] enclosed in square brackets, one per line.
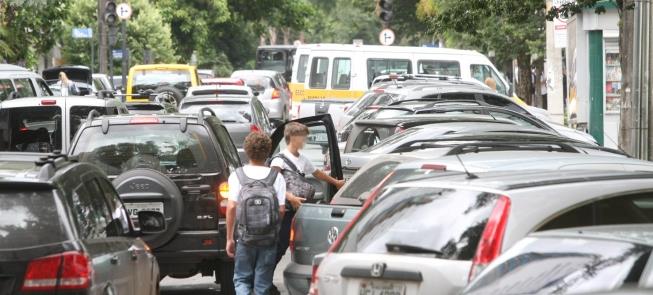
[231, 220]
[282, 211]
[319, 174]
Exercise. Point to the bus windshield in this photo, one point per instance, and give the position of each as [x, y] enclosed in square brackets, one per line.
[272, 59]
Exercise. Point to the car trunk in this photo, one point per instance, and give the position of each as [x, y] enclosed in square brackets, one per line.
[200, 210]
[77, 74]
[13, 265]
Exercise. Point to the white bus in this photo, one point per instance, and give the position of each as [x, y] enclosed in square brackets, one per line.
[341, 73]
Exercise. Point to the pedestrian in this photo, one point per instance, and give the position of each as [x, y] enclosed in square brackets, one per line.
[67, 87]
[254, 212]
[295, 166]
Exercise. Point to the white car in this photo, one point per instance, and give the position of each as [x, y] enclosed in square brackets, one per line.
[271, 89]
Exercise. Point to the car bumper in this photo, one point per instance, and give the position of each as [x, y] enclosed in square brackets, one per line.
[192, 247]
[297, 278]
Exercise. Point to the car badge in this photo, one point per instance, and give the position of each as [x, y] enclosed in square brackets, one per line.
[377, 270]
[332, 235]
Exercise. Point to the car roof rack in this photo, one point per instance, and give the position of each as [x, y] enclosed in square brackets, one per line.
[471, 138]
[200, 114]
[50, 163]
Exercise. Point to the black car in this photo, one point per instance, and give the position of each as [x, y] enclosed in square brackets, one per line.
[64, 230]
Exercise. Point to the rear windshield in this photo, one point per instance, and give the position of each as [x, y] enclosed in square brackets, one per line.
[29, 218]
[79, 114]
[454, 220]
[161, 147]
[227, 111]
[563, 266]
[365, 181]
[258, 83]
[31, 129]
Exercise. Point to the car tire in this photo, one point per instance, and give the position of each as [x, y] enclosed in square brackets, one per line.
[224, 276]
[143, 185]
[169, 90]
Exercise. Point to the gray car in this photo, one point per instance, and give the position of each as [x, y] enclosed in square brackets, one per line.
[271, 88]
[449, 227]
[572, 261]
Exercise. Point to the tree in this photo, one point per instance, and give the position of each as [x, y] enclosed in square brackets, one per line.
[32, 28]
[513, 29]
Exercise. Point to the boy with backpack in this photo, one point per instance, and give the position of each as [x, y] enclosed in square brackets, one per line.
[256, 207]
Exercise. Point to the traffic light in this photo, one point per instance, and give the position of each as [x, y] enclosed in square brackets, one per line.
[385, 10]
[110, 16]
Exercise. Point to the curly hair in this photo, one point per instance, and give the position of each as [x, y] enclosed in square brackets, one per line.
[294, 129]
[257, 146]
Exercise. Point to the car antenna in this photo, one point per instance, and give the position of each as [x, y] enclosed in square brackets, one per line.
[469, 174]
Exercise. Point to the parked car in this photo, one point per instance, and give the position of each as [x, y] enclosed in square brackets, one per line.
[47, 124]
[223, 81]
[168, 81]
[65, 231]
[80, 75]
[271, 88]
[150, 107]
[450, 227]
[237, 108]
[572, 261]
[205, 74]
[314, 222]
[16, 82]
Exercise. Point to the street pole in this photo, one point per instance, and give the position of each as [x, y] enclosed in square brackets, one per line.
[102, 38]
[125, 54]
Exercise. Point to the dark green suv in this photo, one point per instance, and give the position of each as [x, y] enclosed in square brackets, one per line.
[175, 164]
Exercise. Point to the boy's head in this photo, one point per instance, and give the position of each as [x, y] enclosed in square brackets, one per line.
[257, 147]
[295, 134]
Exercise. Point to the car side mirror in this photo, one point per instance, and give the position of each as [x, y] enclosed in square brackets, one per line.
[151, 222]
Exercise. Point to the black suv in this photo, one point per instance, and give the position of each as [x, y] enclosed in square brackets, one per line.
[175, 164]
[64, 230]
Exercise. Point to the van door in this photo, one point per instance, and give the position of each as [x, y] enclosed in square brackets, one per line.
[321, 148]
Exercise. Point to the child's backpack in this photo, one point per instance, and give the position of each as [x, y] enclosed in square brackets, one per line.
[258, 210]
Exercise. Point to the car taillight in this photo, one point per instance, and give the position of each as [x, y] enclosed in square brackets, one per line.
[291, 242]
[48, 102]
[222, 198]
[65, 271]
[489, 247]
[254, 128]
[276, 94]
[313, 287]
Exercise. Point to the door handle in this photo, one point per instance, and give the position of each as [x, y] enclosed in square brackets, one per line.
[338, 212]
[114, 260]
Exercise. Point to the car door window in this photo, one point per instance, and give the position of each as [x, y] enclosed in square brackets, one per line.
[24, 87]
[380, 66]
[301, 68]
[91, 217]
[228, 148]
[484, 72]
[629, 209]
[6, 88]
[341, 74]
[45, 90]
[319, 72]
[118, 210]
[439, 67]
[364, 183]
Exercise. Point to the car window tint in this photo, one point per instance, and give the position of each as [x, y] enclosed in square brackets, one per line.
[630, 209]
[228, 148]
[91, 218]
[402, 215]
[118, 211]
[24, 87]
[162, 147]
[31, 129]
[45, 90]
[319, 72]
[563, 266]
[366, 180]
[98, 84]
[439, 67]
[341, 74]
[6, 88]
[381, 66]
[29, 218]
[366, 139]
[301, 68]
[78, 115]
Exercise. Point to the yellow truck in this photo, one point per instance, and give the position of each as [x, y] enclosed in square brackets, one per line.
[166, 81]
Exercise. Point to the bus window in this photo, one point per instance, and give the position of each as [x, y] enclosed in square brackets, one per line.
[301, 68]
[274, 60]
[377, 67]
[439, 67]
[341, 76]
[319, 72]
[483, 72]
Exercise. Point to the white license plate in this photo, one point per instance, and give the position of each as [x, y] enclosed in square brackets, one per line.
[133, 208]
[381, 288]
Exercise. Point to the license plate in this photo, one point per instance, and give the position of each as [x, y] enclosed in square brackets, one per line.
[133, 208]
[381, 288]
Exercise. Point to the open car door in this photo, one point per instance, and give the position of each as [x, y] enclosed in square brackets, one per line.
[321, 149]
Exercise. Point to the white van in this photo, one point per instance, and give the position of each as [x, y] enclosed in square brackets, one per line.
[17, 82]
[341, 73]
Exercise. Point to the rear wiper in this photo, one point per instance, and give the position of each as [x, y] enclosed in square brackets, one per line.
[410, 249]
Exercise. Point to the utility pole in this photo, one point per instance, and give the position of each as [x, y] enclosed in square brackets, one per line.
[125, 51]
[102, 37]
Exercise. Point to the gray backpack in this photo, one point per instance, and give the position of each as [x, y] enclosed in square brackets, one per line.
[258, 210]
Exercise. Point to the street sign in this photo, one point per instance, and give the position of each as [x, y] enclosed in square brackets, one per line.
[82, 33]
[124, 11]
[116, 53]
[387, 37]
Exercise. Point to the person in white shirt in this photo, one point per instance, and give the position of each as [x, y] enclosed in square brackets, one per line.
[254, 265]
[67, 87]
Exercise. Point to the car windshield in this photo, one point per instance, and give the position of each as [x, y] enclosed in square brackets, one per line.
[29, 218]
[227, 111]
[162, 147]
[271, 59]
[563, 266]
[31, 129]
[161, 76]
[403, 214]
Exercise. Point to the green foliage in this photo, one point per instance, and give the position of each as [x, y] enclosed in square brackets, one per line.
[572, 8]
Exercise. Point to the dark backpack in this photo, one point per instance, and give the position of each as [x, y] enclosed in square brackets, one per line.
[258, 210]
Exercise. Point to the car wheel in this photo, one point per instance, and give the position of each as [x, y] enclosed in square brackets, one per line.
[143, 185]
[168, 94]
[224, 276]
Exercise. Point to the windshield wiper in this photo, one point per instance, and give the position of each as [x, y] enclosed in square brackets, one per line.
[410, 249]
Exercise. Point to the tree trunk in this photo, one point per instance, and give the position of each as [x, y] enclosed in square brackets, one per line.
[537, 86]
[286, 35]
[628, 114]
[524, 87]
[273, 35]
[302, 37]
[261, 40]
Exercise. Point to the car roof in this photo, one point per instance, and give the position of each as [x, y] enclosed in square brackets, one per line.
[37, 101]
[12, 68]
[277, 47]
[430, 117]
[236, 89]
[512, 180]
[386, 49]
[176, 118]
[162, 66]
[634, 233]
[266, 73]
